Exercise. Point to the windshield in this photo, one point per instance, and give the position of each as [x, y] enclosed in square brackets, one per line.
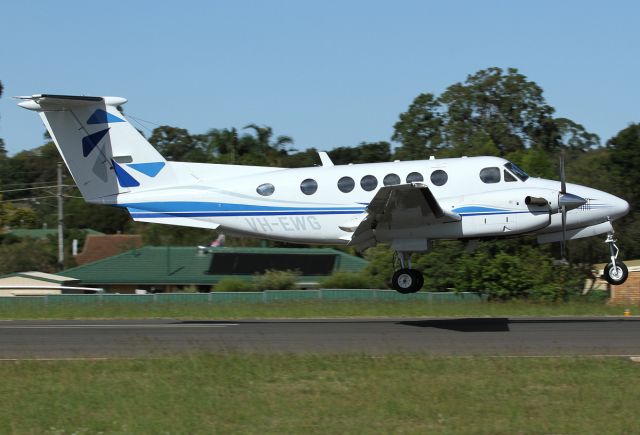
[516, 170]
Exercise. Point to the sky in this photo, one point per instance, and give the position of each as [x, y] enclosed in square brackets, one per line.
[328, 74]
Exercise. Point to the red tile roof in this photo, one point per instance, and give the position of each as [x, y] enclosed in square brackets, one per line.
[97, 247]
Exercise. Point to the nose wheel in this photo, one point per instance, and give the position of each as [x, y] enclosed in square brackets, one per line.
[406, 280]
[616, 272]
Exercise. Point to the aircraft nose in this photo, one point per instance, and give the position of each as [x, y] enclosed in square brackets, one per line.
[621, 207]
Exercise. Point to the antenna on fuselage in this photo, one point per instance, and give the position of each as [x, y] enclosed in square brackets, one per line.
[325, 159]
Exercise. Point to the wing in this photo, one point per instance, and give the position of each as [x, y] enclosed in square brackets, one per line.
[397, 207]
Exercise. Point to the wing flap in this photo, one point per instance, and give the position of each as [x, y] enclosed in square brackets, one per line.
[398, 207]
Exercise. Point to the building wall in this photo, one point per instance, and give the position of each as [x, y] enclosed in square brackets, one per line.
[627, 293]
[22, 280]
[28, 292]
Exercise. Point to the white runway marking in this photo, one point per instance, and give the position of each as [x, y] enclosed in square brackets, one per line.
[109, 326]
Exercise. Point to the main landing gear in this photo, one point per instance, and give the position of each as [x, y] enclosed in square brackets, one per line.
[616, 272]
[406, 280]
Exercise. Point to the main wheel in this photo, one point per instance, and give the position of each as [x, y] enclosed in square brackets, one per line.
[616, 275]
[407, 281]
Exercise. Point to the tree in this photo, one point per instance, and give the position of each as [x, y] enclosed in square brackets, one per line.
[177, 144]
[273, 150]
[420, 129]
[366, 152]
[492, 112]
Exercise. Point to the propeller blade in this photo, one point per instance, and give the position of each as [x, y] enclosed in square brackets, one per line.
[563, 185]
[563, 245]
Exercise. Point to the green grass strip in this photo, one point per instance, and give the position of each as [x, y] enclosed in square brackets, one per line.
[348, 394]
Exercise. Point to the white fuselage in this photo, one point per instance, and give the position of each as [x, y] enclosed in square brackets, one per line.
[230, 201]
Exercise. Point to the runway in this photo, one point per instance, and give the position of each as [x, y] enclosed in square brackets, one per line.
[429, 336]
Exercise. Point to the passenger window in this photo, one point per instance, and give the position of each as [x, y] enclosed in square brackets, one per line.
[391, 179]
[415, 177]
[369, 182]
[309, 186]
[490, 175]
[265, 189]
[508, 177]
[346, 184]
[439, 177]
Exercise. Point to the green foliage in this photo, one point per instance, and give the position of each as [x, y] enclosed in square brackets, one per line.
[277, 280]
[420, 129]
[231, 284]
[27, 255]
[504, 270]
[347, 280]
[380, 267]
[177, 144]
[161, 235]
[364, 153]
[79, 214]
[187, 289]
[492, 112]
[18, 217]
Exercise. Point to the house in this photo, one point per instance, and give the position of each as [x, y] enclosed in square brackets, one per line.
[627, 293]
[99, 246]
[171, 268]
[38, 284]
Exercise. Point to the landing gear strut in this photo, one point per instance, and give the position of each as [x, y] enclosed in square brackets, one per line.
[616, 272]
[406, 280]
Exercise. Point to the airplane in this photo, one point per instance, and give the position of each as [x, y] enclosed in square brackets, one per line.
[406, 204]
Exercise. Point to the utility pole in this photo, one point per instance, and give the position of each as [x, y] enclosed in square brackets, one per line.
[60, 220]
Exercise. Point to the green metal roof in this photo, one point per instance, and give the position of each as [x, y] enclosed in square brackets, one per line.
[185, 265]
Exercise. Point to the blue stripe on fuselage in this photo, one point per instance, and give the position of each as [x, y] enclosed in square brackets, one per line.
[240, 213]
[217, 207]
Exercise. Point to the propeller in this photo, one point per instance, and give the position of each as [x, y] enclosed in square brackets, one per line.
[566, 202]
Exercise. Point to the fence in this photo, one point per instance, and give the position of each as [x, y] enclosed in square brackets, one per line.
[245, 297]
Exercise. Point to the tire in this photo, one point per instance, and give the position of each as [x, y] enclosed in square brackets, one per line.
[407, 281]
[616, 276]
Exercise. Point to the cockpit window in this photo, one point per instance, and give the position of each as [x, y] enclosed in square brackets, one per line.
[508, 177]
[516, 170]
[490, 175]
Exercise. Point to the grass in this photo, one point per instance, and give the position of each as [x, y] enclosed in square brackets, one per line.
[349, 394]
[300, 309]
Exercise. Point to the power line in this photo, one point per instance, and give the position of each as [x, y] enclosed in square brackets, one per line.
[28, 199]
[35, 188]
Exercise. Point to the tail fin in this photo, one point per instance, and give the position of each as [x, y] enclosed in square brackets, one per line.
[104, 153]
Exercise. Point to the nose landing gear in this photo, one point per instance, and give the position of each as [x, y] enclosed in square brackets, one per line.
[406, 280]
[616, 272]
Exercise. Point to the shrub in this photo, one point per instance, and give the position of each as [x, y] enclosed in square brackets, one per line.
[277, 280]
[234, 285]
[347, 280]
[188, 289]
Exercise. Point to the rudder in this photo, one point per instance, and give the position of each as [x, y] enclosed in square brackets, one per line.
[105, 154]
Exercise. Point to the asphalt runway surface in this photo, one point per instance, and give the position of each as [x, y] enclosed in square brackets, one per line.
[430, 336]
